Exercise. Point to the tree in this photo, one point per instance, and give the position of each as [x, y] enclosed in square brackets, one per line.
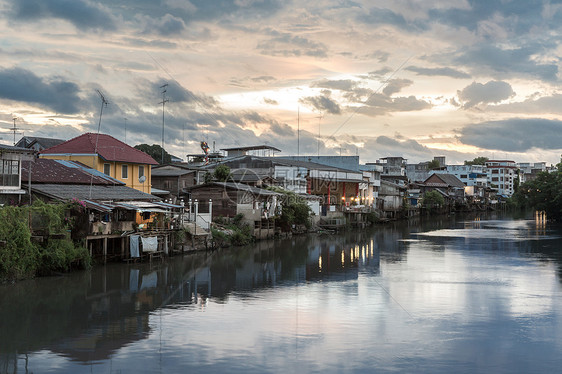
[477, 161]
[544, 193]
[155, 151]
[433, 199]
[222, 173]
[433, 164]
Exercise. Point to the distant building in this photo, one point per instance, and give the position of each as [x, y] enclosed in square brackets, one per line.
[38, 144]
[256, 150]
[108, 155]
[529, 170]
[501, 176]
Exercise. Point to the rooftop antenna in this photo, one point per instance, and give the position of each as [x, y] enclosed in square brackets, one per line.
[104, 102]
[298, 131]
[14, 129]
[164, 88]
[319, 119]
[125, 118]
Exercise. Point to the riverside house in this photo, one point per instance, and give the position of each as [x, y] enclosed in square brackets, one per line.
[108, 155]
[11, 188]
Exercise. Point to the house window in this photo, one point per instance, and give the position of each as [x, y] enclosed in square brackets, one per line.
[107, 169]
[9, 173]
[125, 171]
[141, 171]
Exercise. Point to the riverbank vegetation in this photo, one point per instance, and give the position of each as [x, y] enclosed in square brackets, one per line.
[231, 232]
[544, 193]
[35, 240]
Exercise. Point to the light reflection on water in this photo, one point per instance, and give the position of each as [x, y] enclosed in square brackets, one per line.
[455, 295]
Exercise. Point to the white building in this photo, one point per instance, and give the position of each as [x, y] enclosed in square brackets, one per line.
[501, 176]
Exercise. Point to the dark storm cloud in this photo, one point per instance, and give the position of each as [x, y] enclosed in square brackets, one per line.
[324, 104]
[514, 135]
[509, 62]
[54, 93]
[83, 14]
[491, 92]
[441, 72]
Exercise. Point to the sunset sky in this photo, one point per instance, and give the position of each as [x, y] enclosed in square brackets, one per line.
[409, 78]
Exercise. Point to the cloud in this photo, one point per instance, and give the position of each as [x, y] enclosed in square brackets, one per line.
[286, 44]
[395, 85]
[342, 85]
[53, 93]
[514, 135]
[379, 104]
[379, 17]
[270, 101]
[83, 14]
[547, 104]
[323, 104]
[166, 25]
[443, 72]
[491, 92]
[489, 59]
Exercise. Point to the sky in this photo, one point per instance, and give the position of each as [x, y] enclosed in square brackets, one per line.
[409, 78]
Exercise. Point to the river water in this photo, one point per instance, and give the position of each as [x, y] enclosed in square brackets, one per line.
[461, 294]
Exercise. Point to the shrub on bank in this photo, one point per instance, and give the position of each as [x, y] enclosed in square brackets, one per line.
[53, 251]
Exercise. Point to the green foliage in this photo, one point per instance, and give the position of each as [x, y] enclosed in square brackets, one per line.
[155, 151]
[20, 257]
[433, 164]
[432, 199]
[222, 173]
[240, 232]
[544, 193]
[294, 210]
[477, 161]
[208, 177]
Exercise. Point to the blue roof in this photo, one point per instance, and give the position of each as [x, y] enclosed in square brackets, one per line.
[73, 164]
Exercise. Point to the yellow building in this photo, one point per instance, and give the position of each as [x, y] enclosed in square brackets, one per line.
[108, 155]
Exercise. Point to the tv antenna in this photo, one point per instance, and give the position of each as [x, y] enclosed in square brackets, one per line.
[164, 88]
[319, 119]
[104, 102]
[15, 129]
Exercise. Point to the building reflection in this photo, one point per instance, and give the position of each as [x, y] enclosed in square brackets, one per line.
[87, 317]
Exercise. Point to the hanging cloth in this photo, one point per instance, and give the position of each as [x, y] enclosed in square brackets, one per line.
[134, 246]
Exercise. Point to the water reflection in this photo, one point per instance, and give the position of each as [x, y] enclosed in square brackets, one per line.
[438, 279]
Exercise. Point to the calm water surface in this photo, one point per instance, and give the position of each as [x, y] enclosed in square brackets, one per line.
[465, 294]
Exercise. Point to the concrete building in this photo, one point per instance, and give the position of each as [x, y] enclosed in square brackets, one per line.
[501, 176]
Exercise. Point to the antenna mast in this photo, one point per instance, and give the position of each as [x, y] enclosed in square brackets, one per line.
[14, 129]
[298, 131]
[104, 102]
[163, 102]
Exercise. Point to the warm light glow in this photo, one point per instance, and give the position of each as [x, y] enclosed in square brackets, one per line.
[320, 263]
[342, 258]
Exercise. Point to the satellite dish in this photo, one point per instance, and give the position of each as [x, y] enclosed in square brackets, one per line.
[142, 179]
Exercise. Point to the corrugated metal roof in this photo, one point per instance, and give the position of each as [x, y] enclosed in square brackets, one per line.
[98, 192]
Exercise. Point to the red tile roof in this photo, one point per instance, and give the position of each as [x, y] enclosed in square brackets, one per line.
[108, 148]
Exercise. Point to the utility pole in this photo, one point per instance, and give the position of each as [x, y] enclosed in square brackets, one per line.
[164, 101]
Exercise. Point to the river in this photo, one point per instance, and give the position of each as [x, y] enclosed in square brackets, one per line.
[459, 294]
